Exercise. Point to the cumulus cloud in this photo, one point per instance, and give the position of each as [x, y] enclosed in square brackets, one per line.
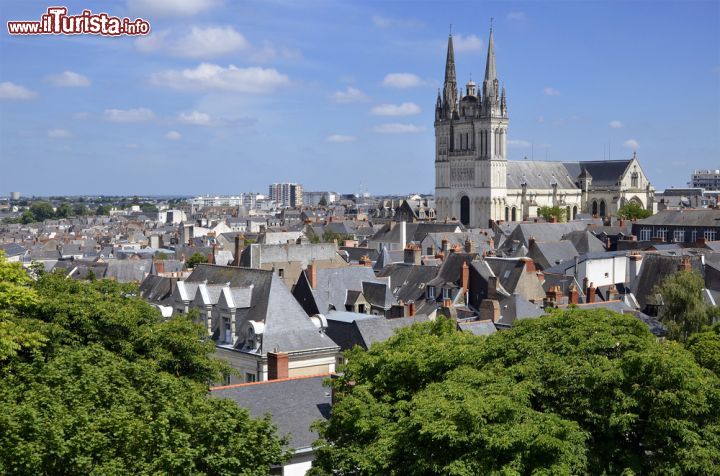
[518, 143]
[10, 90]
[140, 114]
[516, 16]
[404, 109]
[208, 76]
[209, 42]
[58, 133]
[195, 118]
[350, 94]
[551, 92]
[173, 135]
[339, 138]
[616, 124]
[69, 79]
[467, 43]
[631, 144]
[402, 80]
[171, 7]
[398, 128]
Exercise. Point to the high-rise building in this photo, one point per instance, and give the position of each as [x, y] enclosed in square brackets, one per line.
[286, 194]
[476, 183]
[706, 179]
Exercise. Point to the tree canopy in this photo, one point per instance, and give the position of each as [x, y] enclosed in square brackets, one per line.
[548, 213]
[633, 211]
[575, 392]
[94, 381]
[684, 310]
[196, 259]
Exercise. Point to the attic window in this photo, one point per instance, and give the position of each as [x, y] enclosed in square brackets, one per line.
[281, 273]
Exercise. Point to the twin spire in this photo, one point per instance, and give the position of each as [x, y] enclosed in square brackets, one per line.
[490, 89]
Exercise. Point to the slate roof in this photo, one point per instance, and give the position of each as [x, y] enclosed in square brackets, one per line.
[584, 241]
[705, 217]
[381, 329]
[128, 271]
[294, 404]
[156, 289]
[538, 174]
[378, 294]
[655, 268]
[552, 253]
[407, 282]
[605, 173]
[516, 307]
[12, 249]
[479, 328]
[287, 326]
[332, 284]
[543, 232]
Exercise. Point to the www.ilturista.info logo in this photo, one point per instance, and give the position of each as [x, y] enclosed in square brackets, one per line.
[57, 22]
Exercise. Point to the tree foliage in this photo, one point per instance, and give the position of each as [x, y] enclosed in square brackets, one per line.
[196, 259]
[705, 346]
[42, 210]
[548, 213]
[575, 392]
[684, 311]
[94, 381]
[633, 211]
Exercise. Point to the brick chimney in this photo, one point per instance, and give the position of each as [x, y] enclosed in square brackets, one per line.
[239, 243]
[311, 273]
[684, 264]
[159, 267]
[447, 303]
[444, 243]
[465, 277]
[553, 219]
[700, 242]
[469, 246]
[412, 254]
[411, 308]
[613, 293]
[277, 365]
[490, 310]
[590, 296]
[573, 295]
[529, 265]
[211, 258]
[365, 261]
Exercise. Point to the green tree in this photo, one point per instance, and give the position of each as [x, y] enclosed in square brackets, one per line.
[684, 311]
[323, 201]
[148, 208]
[42, 210]
[94, 381]
[548, 213]
[632, 211]
[80, 209]
[28, 217]
[575, 392]
[705, 346]
[64, 210]
[103, 210]
[196, 259]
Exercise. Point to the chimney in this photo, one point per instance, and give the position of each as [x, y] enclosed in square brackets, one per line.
[590, 297]
[490, 310]
[277, 363]
[492, 287]
[621, 222]
[403, 234]
[465, 277]
[447, 303]
[613, 293]
[700, 242]
[444, 243]
[412, 254]
[411, 308]
[553, 219]
[573, 295]
[365, 261]
[239, 242]
[211, 258]
[469, 246]
[159, 267]
[311, 273]
[684, 264]
[531, 242]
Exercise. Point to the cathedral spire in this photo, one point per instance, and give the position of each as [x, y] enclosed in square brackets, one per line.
[490, 83]
[450, 86]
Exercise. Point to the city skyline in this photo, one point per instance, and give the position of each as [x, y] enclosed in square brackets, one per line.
[222, 98]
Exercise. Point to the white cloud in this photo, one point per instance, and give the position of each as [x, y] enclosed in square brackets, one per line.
[171, 7]
[140, 114]
[540, 119]
[69, 79]
[208, 76]
[10, 90]
[402, 80]
[339, 138]
[397, 128]
[270, 52]
[551, 92]
[385, 22]
[58, 133]
[173, 135]
[631, 144]
[209, 42]
[350, 94]
[516, 16]
[195, 118]
[518, 143]
[404, 109]
[467, 43]
[616, 124]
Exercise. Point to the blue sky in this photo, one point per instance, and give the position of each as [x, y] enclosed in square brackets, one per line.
[225, 97]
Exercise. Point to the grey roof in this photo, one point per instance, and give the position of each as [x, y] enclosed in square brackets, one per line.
[605, 173]
[655, 268]
[706, 217]
[332, 284]
[584, 241]
[545, 232]
[552, 253]
[12, 249]
[127, 271]
[378, 294]
[293, 403]
[516, 307]
[538, 175]
[381, 329]
[407, 282]
[287, 327]
[479, 328]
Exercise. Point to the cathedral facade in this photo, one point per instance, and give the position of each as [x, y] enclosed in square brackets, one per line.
[475, 183]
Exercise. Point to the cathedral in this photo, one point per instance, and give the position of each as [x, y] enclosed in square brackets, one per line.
[475, 183]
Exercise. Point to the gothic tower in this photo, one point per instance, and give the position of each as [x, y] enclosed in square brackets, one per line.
[470, 146]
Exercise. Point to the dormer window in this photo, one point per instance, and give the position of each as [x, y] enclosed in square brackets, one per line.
[431, 292]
